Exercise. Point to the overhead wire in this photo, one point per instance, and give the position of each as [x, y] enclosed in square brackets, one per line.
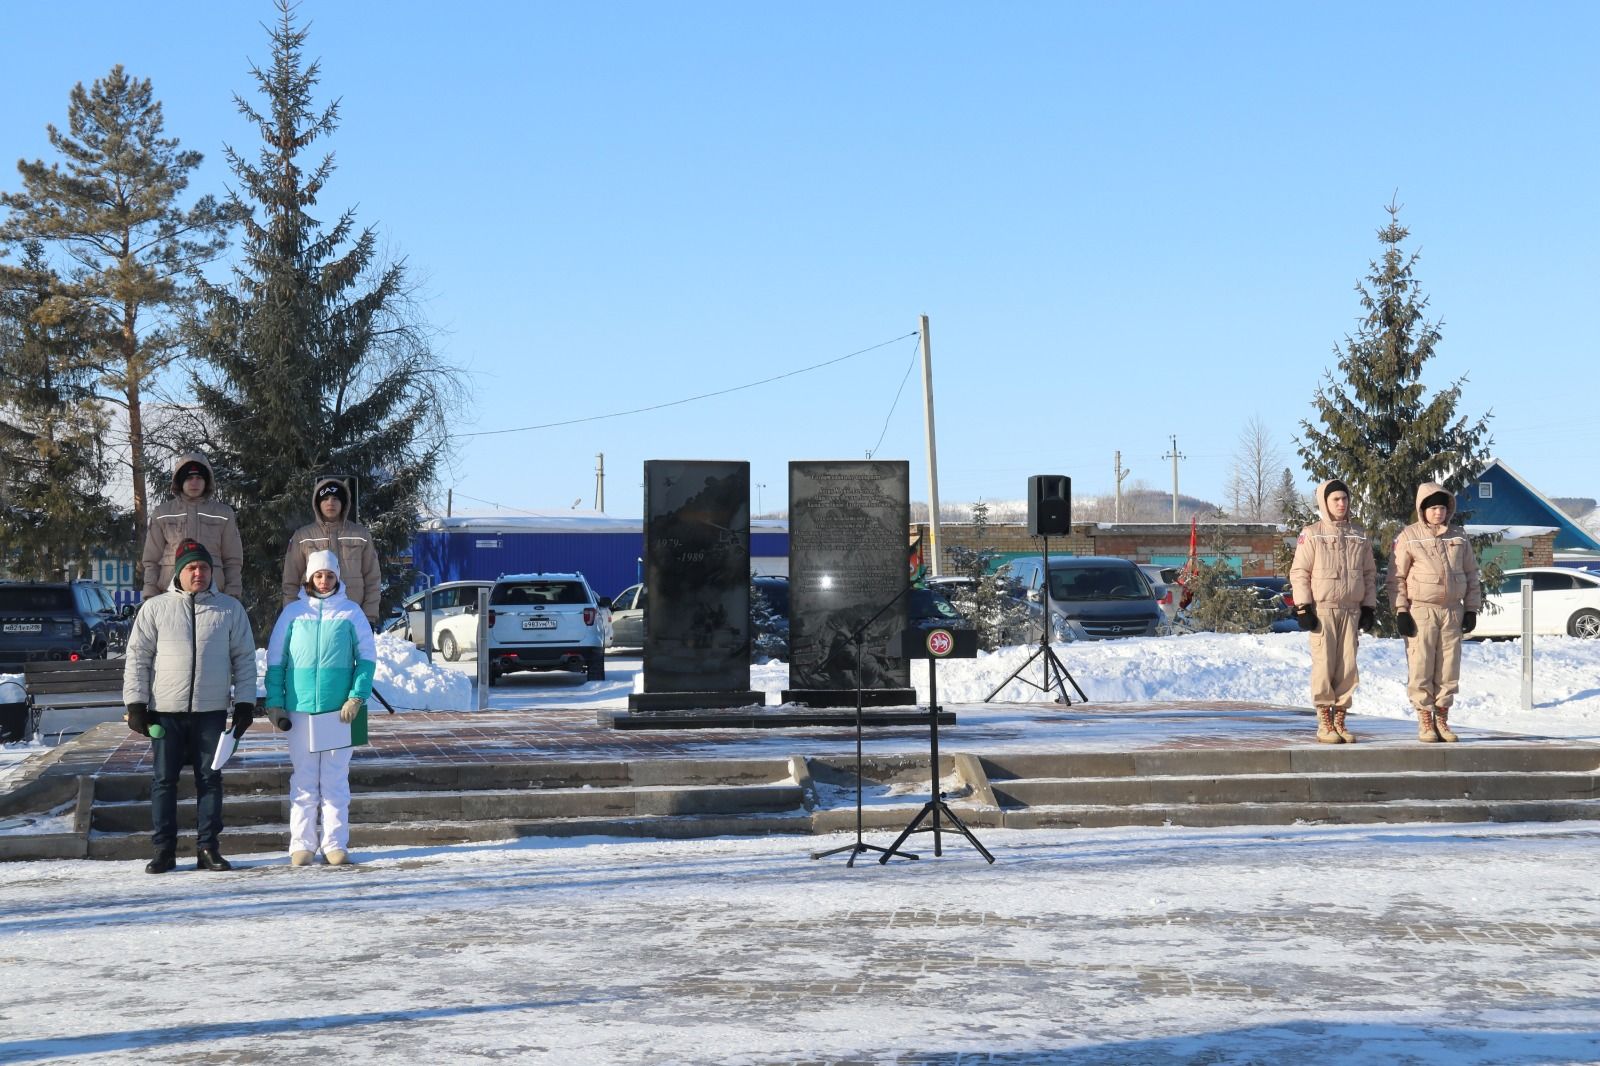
[690, 399]
[904, 378]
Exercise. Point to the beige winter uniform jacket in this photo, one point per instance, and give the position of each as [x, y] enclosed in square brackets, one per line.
[207, 520]
[1434, 565]
[358, 558]
[1333, 564]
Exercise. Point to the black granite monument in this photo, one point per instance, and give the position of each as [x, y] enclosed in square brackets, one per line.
[848, 525]
[697, 570]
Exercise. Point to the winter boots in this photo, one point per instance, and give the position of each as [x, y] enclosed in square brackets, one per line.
[1442, 727]
[211, 859]
[1425, 728]
[163, 861]
[1326, 733]
[300, 858]
[336, 857]
[1338, 727]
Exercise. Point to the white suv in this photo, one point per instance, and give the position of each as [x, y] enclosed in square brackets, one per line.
[547, 622]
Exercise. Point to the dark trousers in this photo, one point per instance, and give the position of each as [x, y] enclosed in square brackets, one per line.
[189, 740]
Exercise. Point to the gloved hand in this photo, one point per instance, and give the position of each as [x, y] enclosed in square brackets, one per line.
[1405, 623]
[1469, 621]
[1306, 615]
[279, 717]
[351, 708]
[243, 715]
[139, 718]
[1369, 618]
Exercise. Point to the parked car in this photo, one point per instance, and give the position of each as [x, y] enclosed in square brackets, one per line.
[1275, 597]
[627, 617]
[536, 622]
[448, 599]
[1164, 580]
[60, 621]
[1094, 597]
[1566, 602]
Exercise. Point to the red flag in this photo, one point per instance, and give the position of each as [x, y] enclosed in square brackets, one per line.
[1192, 567]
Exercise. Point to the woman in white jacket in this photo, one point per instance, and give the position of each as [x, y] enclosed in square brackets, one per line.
[320, 663]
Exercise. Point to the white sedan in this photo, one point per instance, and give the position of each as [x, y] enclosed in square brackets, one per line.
[1566, 602]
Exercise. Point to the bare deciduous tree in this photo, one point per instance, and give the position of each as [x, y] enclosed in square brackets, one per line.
[1253, 481]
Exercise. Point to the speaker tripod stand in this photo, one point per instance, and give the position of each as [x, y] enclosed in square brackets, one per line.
[1056, 677]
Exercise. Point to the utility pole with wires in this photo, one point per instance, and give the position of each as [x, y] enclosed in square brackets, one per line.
[1116, 514]
[600, 482]
[1174, 455]
[933, 452]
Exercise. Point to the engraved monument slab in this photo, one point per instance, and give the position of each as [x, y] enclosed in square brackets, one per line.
[847, 560]
[697, 572]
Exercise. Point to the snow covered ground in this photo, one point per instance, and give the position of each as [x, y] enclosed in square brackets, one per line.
[1338, 944]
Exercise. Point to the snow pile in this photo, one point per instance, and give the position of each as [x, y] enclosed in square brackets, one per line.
[405, 678]
[1275, 668]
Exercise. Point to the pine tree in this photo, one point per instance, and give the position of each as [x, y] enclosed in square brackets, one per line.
[314, 365]
[110, 208]
[53, 510]
[1378, 431]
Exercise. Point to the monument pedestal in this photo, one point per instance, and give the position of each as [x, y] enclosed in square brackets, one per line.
[846, 697]
[688, 701]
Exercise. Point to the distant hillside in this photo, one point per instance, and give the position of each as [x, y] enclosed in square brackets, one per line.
[1138, 505]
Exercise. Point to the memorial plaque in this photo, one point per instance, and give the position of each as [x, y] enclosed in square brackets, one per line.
[697, 572]
[847, 560]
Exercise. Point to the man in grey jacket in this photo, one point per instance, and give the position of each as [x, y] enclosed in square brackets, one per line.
[190, 657]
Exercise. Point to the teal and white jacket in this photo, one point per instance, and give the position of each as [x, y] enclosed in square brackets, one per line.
[321, 654]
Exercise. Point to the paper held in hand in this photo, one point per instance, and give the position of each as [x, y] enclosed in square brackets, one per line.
[227, 743]
[326, 731]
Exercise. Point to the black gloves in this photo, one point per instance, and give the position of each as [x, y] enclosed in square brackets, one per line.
[139, 718]
[1469, 621]
[243, 714]
[1306, 615]
[1369, 618]
[1405, 623]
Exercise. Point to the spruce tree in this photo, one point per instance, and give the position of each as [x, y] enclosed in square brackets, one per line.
[314, 366]
[109, 209]
[1000, 618]
[53, 467]
[1376, 428]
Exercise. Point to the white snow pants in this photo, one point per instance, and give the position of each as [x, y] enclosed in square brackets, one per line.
[319, 783]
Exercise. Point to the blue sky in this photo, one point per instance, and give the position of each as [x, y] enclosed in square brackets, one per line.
[1125, 221]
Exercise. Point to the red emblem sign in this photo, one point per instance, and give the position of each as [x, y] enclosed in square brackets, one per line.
[940, 643]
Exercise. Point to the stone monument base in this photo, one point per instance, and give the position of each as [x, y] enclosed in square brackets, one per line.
[846, 697]
[688, 701]
[768, 718]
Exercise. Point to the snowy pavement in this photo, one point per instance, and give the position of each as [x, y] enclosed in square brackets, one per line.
[1369, 944]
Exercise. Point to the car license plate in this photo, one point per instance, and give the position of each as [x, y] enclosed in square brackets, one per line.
[538, 623]
[23, 627]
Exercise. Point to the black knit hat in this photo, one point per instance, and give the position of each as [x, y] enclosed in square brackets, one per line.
[1437, 499]
[186, 470]
[333, 488]
[1335, 486]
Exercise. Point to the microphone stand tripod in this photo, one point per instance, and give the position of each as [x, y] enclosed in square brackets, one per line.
[1054, 671]
[936, 804]
[859, 846]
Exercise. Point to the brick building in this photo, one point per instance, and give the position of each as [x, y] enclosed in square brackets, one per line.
[1250, 547]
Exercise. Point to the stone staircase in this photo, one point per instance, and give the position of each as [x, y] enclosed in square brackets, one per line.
[1362, 783]
[421, 804]
[452, 804]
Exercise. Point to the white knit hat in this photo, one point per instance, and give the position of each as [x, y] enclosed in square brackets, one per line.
[323, 560]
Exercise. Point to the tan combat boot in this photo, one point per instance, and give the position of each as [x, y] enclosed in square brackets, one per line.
[1442, 727]
[1425, 732]
[1338, 727]
[1326, 734]
[300, 858]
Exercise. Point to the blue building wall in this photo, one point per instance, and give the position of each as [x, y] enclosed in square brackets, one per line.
[610, 561]
[1512, 503]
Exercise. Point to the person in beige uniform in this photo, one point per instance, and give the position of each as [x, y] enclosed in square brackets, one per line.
[1434, 586]
[194, 513]
[358, 556]
[1335, 581]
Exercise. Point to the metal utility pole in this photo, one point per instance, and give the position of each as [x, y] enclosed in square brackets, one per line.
[600, 482]
[449, 502]
[1116, 515]
[933, 452]
[1174, 455]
